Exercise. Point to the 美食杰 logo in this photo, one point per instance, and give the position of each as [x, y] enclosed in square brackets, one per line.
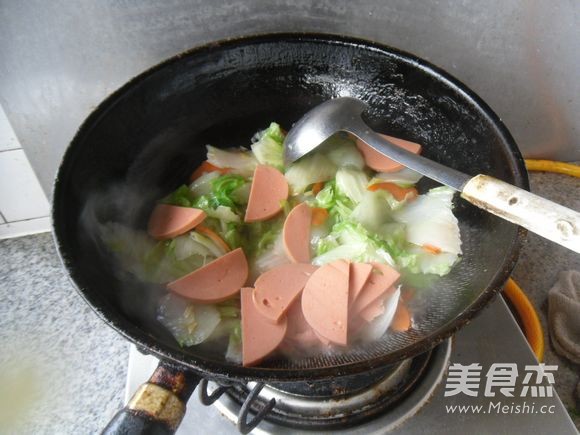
[501, 381]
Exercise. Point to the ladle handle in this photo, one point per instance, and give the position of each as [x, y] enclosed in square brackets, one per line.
[539, 215]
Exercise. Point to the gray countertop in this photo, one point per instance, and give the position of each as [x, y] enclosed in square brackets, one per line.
[63, 371]
[65, 368]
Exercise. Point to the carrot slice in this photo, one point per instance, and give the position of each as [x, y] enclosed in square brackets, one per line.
[207, 167]
[400, 193]
[319, 216]
[402, 319]
[431, 249]
[317, 187]
[214, 236]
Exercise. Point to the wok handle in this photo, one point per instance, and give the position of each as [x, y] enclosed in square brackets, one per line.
[539, 215]
[158, 406]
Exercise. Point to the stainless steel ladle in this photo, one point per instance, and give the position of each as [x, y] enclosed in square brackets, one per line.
[539, 215]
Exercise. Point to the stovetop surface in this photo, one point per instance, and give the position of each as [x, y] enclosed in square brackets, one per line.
[493, 337]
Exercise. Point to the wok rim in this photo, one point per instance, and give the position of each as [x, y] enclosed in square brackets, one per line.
[214, 369]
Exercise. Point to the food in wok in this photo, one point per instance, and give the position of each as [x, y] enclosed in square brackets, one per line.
[308, 258]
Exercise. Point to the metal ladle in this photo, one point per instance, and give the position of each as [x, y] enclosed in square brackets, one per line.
[539, 215]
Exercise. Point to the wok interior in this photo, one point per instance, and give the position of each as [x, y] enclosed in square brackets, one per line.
[146, 139]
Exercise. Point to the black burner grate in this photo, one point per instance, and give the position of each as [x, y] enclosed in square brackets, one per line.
[338, 403]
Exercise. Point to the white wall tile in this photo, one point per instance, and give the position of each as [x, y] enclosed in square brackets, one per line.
[24, 228]
[21, 196]
[8, 139]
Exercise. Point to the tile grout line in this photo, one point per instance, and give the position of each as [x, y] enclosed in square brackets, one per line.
[22, 220]
[25, 227]
[10, 149]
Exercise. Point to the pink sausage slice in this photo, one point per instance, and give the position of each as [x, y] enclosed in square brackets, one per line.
[269, 188]
[321, 339]
[259, 336]
[168, 221]
[276, 289]
[299, 332]
[342, 265]
[380, 163]
[359, 274]
[355, 324]
[216, 281]
[378, 285]
[296, 233]
[325, 302]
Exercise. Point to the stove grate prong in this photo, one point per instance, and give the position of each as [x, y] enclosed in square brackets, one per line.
[208, 399]
[245, 427]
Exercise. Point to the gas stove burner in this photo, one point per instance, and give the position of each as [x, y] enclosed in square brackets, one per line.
[491, 337]
[339, 386]
[346, 407]
[379, 399]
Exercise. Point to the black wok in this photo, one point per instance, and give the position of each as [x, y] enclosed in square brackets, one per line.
[145, 139]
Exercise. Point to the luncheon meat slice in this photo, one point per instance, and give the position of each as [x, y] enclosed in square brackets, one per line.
[269, 189]
[359, 274]
[216, 281]
[325, 302]
[381, 163]
[296, 233]
[299, 332]
[342, 266]
[259, 336]
[379, 284]
[321, 339]
[276, 289]
[168, 221]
